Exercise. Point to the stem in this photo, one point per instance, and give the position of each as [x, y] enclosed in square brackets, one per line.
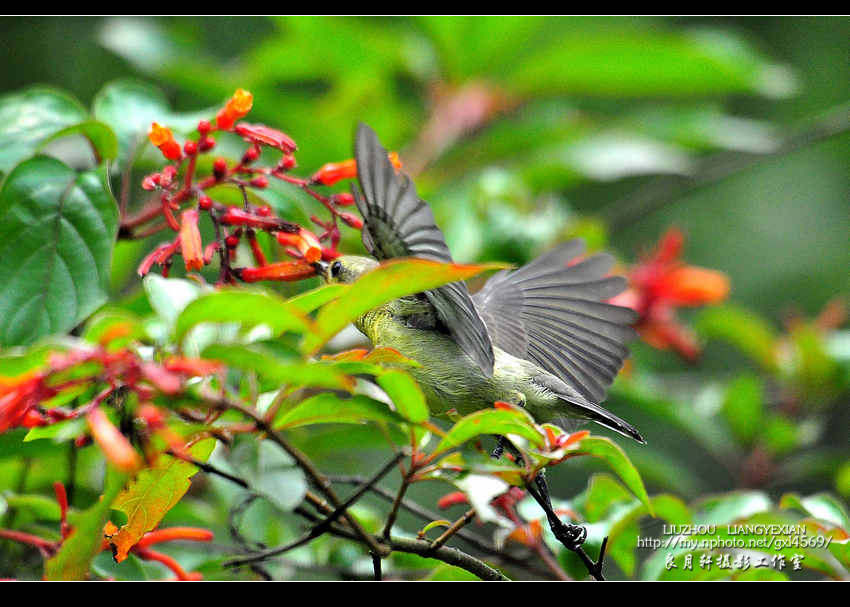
[456, 526]
[324, 525]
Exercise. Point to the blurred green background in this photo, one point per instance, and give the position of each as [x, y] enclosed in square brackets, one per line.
[523, 132]
[664, 91]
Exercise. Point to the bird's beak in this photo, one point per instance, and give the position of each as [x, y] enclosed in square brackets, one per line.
[321, 268]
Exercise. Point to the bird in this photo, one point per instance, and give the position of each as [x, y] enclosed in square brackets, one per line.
[541, 337]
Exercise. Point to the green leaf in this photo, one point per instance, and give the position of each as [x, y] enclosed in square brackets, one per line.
[248, 308]
[57, 229]
[728, 507]
[631, 61]
[59, 432]
[101, 138]
[492, 421]
[40, 506]
[74, 558]
[405, 394]
[290, 372]
[743, 407]
[129, 108]
[316, 298]
[29, 118]
[329, 408]
[393, 279]
[821, 506]
[152, 494]
[619, 462]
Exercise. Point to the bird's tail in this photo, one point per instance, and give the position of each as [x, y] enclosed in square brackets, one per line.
[585, 409]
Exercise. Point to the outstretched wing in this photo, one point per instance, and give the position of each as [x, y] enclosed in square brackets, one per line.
[397, 223]
[553, 314]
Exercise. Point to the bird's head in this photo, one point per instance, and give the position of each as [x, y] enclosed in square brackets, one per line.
[345, 269]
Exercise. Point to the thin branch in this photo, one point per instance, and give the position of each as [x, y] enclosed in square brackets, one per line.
[456, 526]
[321, 527]
[391, 517]
[318, 479]
[427, 515]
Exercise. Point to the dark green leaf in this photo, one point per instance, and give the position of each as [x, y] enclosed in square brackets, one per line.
[57, 229]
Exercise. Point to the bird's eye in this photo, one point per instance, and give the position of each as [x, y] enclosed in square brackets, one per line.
[336, 268]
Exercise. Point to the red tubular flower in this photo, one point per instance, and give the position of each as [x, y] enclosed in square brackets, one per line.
[237, 107]
[234, 216]
[193, 534]
[162, 138]
[264, 135]
[193, 366]
[352, 220]
[659, 284]
[451, 499]
[160, 256]
[190, 240]
[18, 401]
[304, 241]
[343, 199]
[114, 445]
[284, 270]
[333, 172]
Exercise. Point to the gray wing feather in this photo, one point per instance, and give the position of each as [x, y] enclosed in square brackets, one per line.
[554, 315]
[397, 223]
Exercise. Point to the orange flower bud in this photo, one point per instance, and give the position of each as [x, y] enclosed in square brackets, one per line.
[190, 240]
[162, 138]
[284, 270]
[237, 107]
[114, 445]
[332, 172]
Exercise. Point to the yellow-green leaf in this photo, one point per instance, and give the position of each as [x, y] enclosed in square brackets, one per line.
[152, 494]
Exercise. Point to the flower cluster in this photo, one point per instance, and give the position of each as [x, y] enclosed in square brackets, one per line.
[182, 198]
[659, 284]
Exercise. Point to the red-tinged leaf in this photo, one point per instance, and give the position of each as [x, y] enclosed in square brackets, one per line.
[152, 494]
[390, 281]
[114, 445]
